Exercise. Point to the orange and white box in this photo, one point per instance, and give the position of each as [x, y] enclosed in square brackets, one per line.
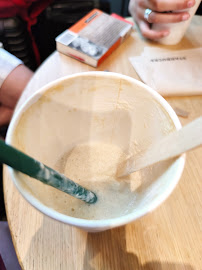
[93, 38]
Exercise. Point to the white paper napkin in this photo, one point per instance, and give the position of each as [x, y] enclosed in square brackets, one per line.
[171, 73]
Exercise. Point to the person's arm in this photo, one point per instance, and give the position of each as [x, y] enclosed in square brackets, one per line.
[14, 76]
[158, 15]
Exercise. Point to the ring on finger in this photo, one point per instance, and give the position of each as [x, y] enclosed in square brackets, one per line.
[147, 13]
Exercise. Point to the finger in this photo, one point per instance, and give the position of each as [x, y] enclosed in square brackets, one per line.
[5, 115]
[157, 17]
[167, 5]
[151, 34]
[132, 8]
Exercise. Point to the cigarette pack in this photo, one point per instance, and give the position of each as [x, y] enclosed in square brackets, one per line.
[93, 38]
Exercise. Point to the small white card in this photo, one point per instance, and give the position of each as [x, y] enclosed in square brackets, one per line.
[171, 73]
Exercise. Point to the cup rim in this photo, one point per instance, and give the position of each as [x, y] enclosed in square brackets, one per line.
[102, 223]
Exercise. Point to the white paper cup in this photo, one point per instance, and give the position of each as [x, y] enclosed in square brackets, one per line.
[177, 30]
[94, 106]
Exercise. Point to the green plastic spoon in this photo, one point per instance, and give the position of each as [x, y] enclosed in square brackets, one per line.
[29, 166]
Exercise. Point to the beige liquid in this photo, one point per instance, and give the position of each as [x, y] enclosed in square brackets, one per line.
[106, 114]
[94, 166]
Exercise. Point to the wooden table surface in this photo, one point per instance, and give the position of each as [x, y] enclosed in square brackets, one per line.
[169, 238]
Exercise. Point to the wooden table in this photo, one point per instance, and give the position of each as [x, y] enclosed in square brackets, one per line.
[169, 238]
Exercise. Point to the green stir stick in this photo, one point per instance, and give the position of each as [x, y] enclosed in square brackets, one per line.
[29, 166]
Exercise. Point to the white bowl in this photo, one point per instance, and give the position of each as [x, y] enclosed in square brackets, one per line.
[94, 106]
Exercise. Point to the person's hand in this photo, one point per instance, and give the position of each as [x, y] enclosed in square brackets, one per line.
[160, 14]
[11, 91]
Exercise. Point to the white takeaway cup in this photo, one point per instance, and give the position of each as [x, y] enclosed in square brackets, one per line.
[177, 30]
